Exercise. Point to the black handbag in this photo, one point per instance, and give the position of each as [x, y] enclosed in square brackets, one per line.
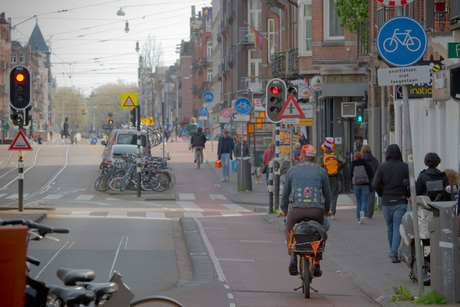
[264, 169]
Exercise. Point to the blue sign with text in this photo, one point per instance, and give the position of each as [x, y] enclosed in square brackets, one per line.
[243, 105]
[402, 41]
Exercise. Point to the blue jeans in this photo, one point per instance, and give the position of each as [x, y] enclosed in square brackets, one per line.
[361, 194]
[393, 216]
[225, 159]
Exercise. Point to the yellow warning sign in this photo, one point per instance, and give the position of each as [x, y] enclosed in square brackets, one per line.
[128, 100]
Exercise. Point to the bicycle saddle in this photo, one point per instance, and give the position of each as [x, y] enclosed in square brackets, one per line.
[71, 276]
[103, 288]
[73, 296]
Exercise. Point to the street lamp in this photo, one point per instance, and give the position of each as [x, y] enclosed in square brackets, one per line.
[120, 12]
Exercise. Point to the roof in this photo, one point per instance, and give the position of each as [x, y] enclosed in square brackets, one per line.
[37, 42]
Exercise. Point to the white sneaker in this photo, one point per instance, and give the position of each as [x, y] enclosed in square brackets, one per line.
[332, 217]
[227, 179]
[362, 217]
[223, 180]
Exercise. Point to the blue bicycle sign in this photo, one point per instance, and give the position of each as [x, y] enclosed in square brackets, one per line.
[208, 96]
[243, 105]
[203, 111]
[402, 41]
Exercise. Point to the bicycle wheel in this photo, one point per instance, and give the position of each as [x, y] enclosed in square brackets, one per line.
[306, 277]
[102, 183]
[115, 183]
[155, 301]
[198, 158]
[164, 181]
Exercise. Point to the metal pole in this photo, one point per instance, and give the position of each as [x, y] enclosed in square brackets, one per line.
[241, 154]
[21, 182]
[276, 167]
[139, 151]
[409, 159]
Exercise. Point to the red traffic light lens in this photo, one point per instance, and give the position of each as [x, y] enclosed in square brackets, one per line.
[110, 121]
[274, 90]
[20, 77]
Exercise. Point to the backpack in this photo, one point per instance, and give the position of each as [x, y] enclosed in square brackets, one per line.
[434, 187]
[360, 175]
[331, 163]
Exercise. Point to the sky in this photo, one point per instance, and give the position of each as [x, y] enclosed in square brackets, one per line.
[88, 42]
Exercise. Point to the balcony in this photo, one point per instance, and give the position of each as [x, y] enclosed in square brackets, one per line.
[206, 86]
[363, 38]
[245, 35]
[231, 55]
[286, 64]
[278, 60]
[252, 83]
[205, 61]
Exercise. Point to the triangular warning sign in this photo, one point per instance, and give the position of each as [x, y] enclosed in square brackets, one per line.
[20, 142]
[129, 102]
[291, 109]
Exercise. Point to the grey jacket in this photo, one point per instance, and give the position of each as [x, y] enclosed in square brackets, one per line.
[304, 185]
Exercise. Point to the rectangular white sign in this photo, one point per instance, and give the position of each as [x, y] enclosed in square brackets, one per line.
[258, 105]
[242, 118]
[404, 75]
[290, 120]
[223, 119]
[308, 109]
[203, 118]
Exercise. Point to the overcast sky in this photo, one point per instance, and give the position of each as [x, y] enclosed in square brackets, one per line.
[89, 46]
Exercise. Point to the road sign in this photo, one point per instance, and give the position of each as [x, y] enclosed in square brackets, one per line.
[242, 118]
[308, 110]
[258, 105]
[402, 41]
[128, 100]
[453, 50]
[203, 118]
[243, 105]
[20, 142]
[226, 113]
[404, 75]
[304, 92]
[203, 111]
[317, 83]
[290, 120]
[395, 2]
[94, 141]
[208, 96]
[107, 126]
[291, 109]
[224, 119]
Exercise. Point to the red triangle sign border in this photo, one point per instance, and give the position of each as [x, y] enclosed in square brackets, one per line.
[290, 99]
[23, 141]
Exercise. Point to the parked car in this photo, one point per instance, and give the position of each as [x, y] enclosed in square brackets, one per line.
[117, 151]
[127, 137]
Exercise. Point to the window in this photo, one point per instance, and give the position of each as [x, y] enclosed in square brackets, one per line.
[13, 59]
[305, 32]
[209, 49]
[209, 75]
[21, 58]
[254, 61]
[332, 29]
[271, 38]
[255, 14]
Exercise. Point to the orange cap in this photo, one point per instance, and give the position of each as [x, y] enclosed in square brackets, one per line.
[308, 150]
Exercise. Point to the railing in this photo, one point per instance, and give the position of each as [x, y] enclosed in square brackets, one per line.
[454, 10]
[363, 38]
[252, 83]
[383, 14]
[231, 53]
[293, 62]
[278, 60]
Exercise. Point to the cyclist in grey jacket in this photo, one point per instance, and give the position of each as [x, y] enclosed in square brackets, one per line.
[301, 199]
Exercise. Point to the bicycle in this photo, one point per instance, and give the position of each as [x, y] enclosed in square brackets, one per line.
[412, 43]
[198, 156]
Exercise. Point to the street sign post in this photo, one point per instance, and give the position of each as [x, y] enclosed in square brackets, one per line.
[401, 41]
[404, 75]
[291, 109]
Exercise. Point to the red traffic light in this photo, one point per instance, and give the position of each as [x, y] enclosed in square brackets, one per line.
[20, 77]
[110, 121]
[274, 90]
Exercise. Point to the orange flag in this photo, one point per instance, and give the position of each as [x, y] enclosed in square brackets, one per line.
[315, 245]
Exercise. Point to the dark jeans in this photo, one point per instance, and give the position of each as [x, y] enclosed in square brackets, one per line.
[370, 203]
[335, 190]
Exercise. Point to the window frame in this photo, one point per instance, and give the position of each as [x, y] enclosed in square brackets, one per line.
[327, 25]
[302, 30]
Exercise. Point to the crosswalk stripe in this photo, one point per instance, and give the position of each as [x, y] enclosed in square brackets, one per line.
[234, 207]
[189, 206]
[217, 196]
[155, 215]
[80, 213]
[227, 213]
[117, 213]
[186, 196]
[84, 197]
[53, 196]
[1, 195]
[193, 214]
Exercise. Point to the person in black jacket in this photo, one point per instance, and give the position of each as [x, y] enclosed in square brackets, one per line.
[374, 163]
[388, 183]
[432, 160]
[198, 141]
[361, 173]
[224, 154]
[237, 148]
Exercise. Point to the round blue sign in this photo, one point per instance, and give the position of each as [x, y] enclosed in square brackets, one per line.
[402, 41]
[94, 141]
[203, 111]
[208, 96]
[243, 105]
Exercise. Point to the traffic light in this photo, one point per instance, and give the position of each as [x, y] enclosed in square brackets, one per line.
[20, 87]
[17, 116]
[66, 127]
[28, 116]
[110, 121]
[133, 115]
[276, 97]
[360, 113]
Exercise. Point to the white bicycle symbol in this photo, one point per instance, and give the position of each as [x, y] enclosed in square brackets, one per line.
[412, 43]
[208, 97]
[244, 106]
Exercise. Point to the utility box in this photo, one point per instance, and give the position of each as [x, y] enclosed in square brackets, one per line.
[444, 258]
[244, 174]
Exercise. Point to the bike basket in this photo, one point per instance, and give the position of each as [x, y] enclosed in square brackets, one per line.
[302, 242]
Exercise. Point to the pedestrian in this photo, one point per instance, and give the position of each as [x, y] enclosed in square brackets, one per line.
[431, 181]
[269, 154]
[297, 150]
[237, 148]
[302, 140]
[388, 183]
[333, 163]
[166, 135]
[198, 141]
[224, 154]
[361, 172]
[374, 163]
[307, 181]
[191, 128]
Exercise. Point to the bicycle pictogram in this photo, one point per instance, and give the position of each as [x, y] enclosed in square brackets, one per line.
[412, 43]
[243, 106]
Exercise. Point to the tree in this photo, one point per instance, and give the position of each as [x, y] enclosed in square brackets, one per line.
[69, 103]
[350, 12]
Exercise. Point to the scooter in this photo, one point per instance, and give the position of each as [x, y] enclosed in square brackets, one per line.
[406, 251]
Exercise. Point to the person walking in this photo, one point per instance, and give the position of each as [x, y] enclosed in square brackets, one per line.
[374, 163]
[237, 149]
[301, 199]
[431, 181]
[361, 172]
[297, 151]
[269, 154]
[333, 163]
[224, 154]
[388, 183]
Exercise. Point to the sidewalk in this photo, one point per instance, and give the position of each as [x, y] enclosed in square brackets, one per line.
[356, 252]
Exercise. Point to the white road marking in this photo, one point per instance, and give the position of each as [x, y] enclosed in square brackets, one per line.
[186, 196]
[155, 215]
[80, 213]
[117, 213]
[84, 197]
[217, 196]
[189, 206]
[193, 214]
[53, 196]
[226, 214]
[234, 207]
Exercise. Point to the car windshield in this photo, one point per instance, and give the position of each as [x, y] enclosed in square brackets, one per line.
[131, 139]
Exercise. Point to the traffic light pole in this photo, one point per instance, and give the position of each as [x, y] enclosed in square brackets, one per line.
[139, 150]
[21, 182]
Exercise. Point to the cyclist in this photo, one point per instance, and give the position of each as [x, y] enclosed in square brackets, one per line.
[191, 129]
[301, 199]
[198, 140]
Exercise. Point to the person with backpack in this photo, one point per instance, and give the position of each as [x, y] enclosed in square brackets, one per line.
[388, 183]
[431, 181]
[191, 128]
[333, 164]
[374, 163]
[361, 173]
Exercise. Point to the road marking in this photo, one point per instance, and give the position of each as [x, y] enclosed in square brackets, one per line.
[15, 196]
[234, 207]
[186, 196]
[1, 195]
[226, 214]
[53, 196]
[193, 214]
[84, 197]
[155, 215]
[189, 206]
[80, 213]
[217, 196]
[118, 213]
